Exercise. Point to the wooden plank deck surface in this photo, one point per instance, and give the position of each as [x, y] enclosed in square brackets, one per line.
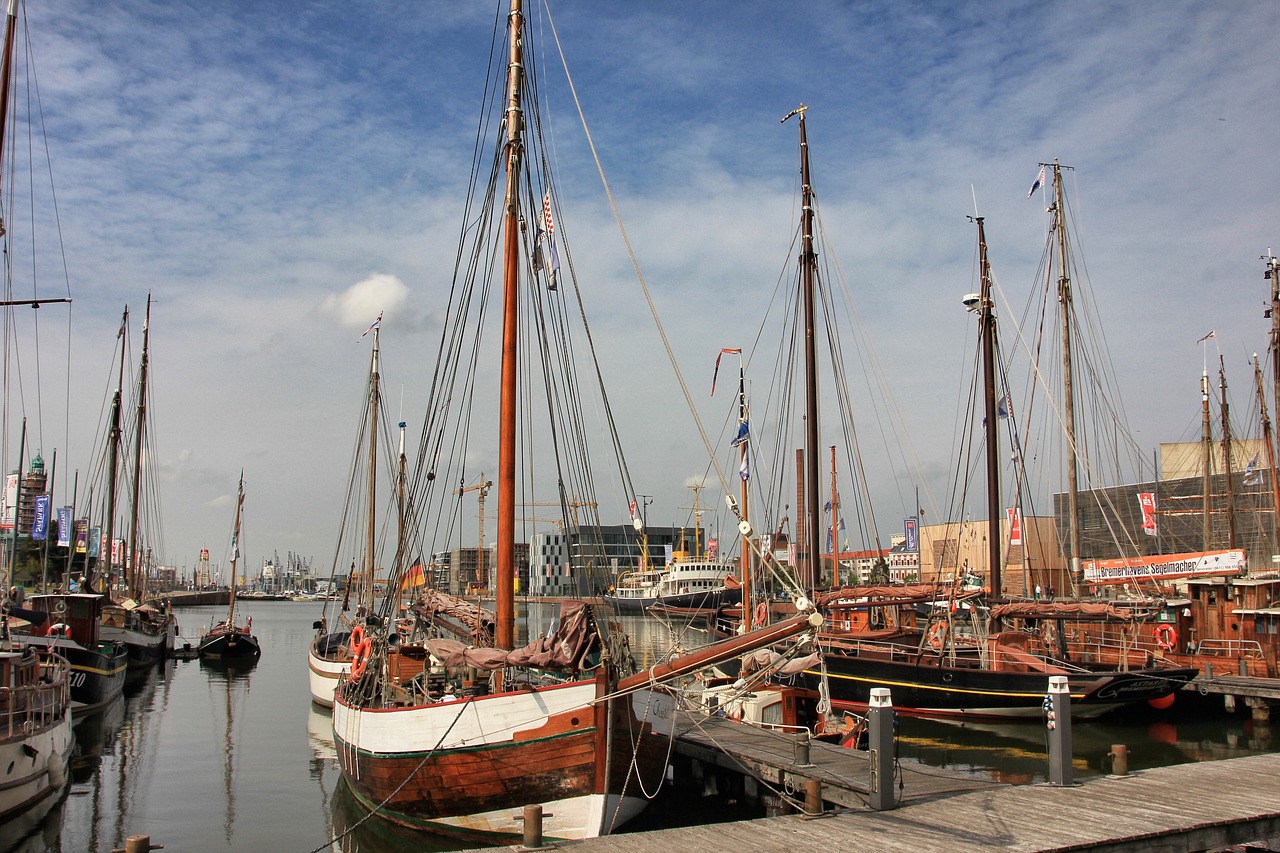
[1188, 807]
[770, 756]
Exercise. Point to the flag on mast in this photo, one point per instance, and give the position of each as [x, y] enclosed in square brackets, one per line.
[1039, 182]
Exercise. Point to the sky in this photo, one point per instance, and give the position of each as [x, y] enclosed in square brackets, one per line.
[276, 175]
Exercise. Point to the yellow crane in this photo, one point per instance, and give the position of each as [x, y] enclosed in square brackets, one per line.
[483, 487]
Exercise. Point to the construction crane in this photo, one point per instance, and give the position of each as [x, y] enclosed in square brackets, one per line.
[574, 504]
[483, 487]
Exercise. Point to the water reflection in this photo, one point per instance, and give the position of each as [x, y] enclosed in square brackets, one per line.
[1017, 753]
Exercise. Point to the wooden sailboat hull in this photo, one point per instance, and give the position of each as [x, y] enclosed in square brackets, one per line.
[229, 644]
[928, 687]
[97, 673]
[466, 768]
[35, 734]
[327, 662]
[145, 647]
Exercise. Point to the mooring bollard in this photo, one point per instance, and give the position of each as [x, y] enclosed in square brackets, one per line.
[533, 827]
[812, 797]
[138, 844]
[1119, 759]
[802, 748]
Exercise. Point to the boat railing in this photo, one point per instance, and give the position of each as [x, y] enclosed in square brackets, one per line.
[27, 707]
[1230, 648]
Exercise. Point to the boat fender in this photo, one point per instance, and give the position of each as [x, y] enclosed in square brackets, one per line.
[360, 657]
[762, 613]
[1166, 637]
[57, 773]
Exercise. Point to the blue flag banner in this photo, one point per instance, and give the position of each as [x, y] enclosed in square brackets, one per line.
[64, 527]
[40, 523]
[913, 539]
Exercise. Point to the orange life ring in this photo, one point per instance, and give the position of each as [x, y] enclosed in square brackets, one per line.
[360, 657]
[60, 629]
[935, 635]
[762, 614]
[1166, 637]
[356, 638]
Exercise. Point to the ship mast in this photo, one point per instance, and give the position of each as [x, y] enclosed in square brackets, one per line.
[744, 569]
[1206, 442]
[810, 521]
[137, 574]
[1226, 454]
[505, 568]
[367, 589]
[113, 457]
[1068, 391]
[987, 332]
[1273, 273]
[1270, 448]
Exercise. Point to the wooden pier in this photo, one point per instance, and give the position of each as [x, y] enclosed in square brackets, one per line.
[1189, 807]
[775, 770]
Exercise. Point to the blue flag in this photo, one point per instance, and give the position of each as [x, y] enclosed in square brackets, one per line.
[742, 435]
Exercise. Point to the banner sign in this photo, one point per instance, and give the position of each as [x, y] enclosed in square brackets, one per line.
[1015, 525]
[64, 527]
[1165, 567]
[40, 523]
[1147, 500]
[913, 538]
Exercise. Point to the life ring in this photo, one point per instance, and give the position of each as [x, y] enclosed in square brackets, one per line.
[762, 613]
[356, 638]
[360, 657]
[1166, 637]
[936, 634]
[60, 629]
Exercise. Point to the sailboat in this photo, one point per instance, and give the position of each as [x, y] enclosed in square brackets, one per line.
[227, 641]
[35, 726]
[65, 623]
[146, 628]
[457, 739]
[938, 647]
[331, 651]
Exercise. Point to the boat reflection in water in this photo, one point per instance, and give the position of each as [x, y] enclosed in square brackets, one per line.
[1018, 753]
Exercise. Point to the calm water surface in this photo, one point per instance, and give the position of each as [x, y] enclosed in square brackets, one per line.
[206, 759]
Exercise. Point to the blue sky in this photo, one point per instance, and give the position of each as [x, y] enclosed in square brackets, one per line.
[276, 174]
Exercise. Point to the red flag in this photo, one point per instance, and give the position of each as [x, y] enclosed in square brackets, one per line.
[723, 350]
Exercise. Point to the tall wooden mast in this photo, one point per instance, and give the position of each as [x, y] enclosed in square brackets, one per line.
[810, 520]
[1226, 454]
[1269, 445]
[137, 574]
[505, 569]
[1068, 391]
[987, 334]
[375, 392]
[1206, 443]
[113, 462]
[6, 84]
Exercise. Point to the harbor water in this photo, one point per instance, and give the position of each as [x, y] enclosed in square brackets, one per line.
[205, 759]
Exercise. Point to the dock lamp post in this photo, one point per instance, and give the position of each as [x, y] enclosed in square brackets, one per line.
[1057, 711]
[880, 736]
